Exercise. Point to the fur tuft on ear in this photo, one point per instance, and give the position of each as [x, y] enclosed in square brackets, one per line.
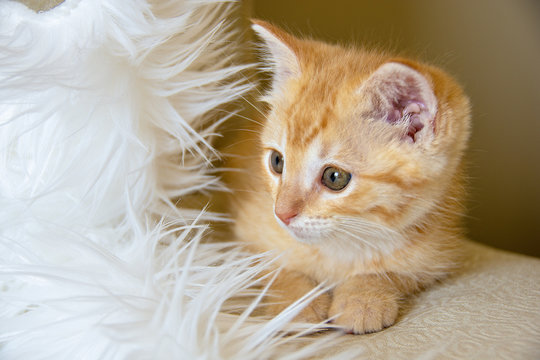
[402, 96]
[280, 52]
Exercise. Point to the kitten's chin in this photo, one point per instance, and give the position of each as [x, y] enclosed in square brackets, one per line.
[307, 229]
[302, 234]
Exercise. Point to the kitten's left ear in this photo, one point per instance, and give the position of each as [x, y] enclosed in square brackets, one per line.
[401, 96]
[281, 52]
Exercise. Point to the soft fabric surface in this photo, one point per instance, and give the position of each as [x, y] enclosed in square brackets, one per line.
[489, 310]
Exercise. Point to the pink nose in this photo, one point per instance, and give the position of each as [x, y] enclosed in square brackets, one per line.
[286, 216]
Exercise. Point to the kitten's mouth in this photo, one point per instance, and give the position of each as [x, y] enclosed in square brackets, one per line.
[304, 230]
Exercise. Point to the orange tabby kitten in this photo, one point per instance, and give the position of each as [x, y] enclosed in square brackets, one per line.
[356, 177]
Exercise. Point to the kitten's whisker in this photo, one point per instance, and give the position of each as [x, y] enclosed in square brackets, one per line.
[235, 144]
[361, 231]
[242, 116]
[255, 107]
[365, 224]
[249, 130]
[255, 87]
[360, 225]
[345, 245]
[357, 237]
[371, 230]
[242, 157]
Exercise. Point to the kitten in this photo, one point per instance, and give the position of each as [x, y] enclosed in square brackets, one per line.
[355, 175]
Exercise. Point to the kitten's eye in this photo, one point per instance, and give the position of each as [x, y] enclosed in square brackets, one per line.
[335, 179]
[276, 162]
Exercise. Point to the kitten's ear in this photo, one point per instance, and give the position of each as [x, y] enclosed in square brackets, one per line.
[403, 97]
[280, 50]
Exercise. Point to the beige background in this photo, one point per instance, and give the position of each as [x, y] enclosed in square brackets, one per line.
[493, 48]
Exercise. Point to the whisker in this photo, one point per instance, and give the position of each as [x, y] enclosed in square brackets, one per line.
[373, 226]
[356, 237]
[242, 116]
[237, 143]
[367, 232]
[255, 107]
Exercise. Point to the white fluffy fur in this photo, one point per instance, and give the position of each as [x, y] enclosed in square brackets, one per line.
[104, 118]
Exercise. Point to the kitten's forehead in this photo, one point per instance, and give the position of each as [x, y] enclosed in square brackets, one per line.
[326, 127]
[313, 111]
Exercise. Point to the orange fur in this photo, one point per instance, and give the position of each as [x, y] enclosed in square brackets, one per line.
[394, 229]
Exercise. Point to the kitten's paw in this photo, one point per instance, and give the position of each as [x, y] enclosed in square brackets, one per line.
[360, 314]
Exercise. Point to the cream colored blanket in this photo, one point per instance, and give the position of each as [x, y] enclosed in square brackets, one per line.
[490, 310]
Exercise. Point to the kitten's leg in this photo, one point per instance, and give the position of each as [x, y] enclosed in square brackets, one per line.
[365, 303]
[290, 286]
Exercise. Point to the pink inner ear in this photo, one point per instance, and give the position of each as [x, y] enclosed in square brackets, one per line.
[401, 96]
[409, 112]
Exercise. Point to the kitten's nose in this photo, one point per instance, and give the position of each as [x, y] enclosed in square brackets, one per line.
[286, 216]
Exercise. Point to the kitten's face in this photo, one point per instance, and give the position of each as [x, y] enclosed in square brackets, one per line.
[356, 147]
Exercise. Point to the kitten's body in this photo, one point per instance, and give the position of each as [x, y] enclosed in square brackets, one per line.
[393, 229]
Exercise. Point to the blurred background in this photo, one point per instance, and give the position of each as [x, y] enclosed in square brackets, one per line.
[493, 48]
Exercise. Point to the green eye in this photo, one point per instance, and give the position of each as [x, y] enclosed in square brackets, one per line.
[276, 162]
[335, 179]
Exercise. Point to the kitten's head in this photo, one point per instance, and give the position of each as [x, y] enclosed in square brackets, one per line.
[358, 146]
